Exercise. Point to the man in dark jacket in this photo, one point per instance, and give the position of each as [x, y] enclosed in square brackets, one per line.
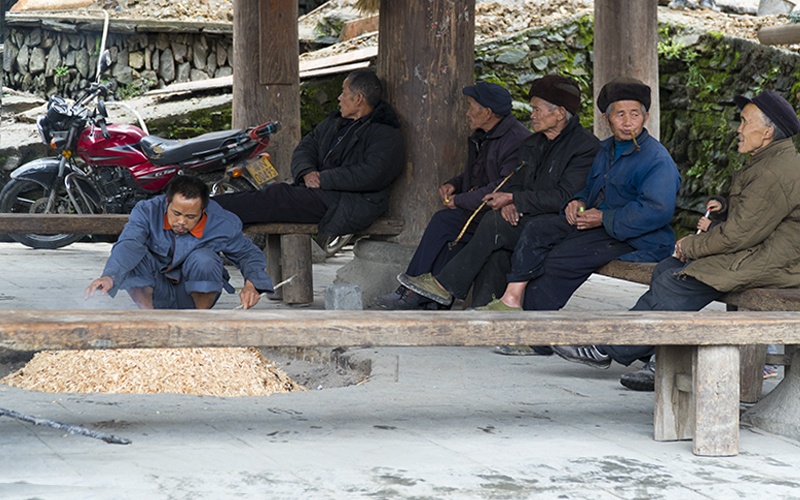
[624, 210]
[343, 169]
[492, 155]
[557, 160]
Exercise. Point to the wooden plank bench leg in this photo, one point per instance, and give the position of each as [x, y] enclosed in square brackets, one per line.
[273, 253]
[296, 261]
[674, 401]
[716, 389]
[751, 373]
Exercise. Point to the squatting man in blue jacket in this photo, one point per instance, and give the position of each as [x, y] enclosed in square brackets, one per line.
[167, 256]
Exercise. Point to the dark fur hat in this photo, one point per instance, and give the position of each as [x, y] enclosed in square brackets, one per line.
[623, 89]
[557, 90]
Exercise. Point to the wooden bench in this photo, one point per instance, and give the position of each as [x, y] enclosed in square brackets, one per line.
[288, 248]
[697, 391]
[753, 356]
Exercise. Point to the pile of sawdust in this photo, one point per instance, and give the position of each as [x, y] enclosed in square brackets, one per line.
[227, 372]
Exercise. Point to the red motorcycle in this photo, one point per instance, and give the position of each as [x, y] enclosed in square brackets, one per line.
[104, 167]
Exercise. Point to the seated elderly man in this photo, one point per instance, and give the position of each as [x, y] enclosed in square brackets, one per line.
[624, 211]
[757, 246]
[343, 169]
[492, 154]
[557, 160]
[167, 256]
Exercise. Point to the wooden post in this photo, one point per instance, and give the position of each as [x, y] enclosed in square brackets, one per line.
[266, 82]
[425, 56]
[674, 409]
[626, 44]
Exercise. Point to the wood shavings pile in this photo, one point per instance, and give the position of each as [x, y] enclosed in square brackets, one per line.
[226, 372]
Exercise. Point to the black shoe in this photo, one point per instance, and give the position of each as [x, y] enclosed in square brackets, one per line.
[524, 350]
[641, 380]
[584, 354]
[402, 299]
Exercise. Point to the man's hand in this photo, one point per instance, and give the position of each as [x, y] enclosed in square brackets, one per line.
[446, 191]
[510, 214]
[572, 210]
[588, 219]
[498, 200]
[311, 179]
[102, 284]
[249, 296]
[678, 254]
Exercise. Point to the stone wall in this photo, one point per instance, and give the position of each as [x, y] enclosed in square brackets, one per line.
[699, 75]
[48, 55]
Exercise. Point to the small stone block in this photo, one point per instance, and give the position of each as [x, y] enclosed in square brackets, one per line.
[343, 297]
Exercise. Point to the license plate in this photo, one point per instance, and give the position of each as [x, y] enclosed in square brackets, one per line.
[262, 170]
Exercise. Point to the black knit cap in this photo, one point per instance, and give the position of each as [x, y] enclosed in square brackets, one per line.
[776, 108]
[623, 89]
[557, 90]
[490, 95]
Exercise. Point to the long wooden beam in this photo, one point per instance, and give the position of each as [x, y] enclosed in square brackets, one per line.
[62, 223]
[113, 224]
[50, 329]
[779, 35]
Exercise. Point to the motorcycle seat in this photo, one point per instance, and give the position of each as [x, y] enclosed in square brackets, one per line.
[162, 151]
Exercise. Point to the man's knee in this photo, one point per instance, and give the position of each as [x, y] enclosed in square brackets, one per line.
[202, 264]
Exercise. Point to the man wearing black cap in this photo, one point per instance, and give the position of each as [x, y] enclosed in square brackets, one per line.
[557, 160]
[492, 155]
[624, 211]
[758, 244]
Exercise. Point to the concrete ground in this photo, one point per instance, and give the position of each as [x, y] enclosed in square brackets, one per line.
[430, 423]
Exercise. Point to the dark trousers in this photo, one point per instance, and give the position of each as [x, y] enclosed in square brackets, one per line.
[668, 292]
[556, 258]
[492, 235]
[279, 202]
[434, 251]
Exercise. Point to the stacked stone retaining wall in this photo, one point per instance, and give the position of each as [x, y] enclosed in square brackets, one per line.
[48, 55]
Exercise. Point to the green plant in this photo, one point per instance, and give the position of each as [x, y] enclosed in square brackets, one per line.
[61, 71]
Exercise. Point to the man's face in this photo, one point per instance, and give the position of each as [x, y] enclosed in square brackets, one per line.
[544, 116]
[753, 133]
[183, 214]
[626, 119]
[349, 102]
[477, 115]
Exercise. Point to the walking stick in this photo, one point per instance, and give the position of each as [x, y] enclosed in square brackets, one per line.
[72, 429]
[471, 217]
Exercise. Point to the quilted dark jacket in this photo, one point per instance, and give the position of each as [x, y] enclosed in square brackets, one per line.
[355, 175]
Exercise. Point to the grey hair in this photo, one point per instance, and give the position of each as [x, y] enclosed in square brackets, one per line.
[556, 106]
[777, 133]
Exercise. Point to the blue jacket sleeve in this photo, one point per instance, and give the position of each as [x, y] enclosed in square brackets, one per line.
[131, 246]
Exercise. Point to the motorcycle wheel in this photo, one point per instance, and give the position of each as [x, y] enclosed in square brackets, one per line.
[21, 196]
[234, 185]
[332, 245]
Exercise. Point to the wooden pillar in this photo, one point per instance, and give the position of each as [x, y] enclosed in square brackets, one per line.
[425, 56]
[626, 44]
[266, 75]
